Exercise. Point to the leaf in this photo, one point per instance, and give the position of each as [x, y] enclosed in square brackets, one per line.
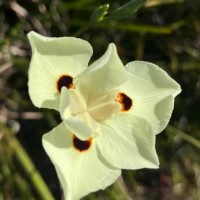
[99, 13]
[126, 10]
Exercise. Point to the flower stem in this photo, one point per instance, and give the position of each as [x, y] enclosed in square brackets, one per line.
[85, 25]
[122, 187]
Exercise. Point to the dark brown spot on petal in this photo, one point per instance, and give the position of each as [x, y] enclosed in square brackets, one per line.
[64, 80]
[82, 145]
[125, 101]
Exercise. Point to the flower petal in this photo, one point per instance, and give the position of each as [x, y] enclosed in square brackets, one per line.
[80, 171]
[104, 74]
[128, 142]
[52, 59]
[83, 125]
[152, 93]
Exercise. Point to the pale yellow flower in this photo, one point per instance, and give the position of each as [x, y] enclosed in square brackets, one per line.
[111, 112]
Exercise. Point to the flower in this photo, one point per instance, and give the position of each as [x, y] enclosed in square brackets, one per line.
[111, 112]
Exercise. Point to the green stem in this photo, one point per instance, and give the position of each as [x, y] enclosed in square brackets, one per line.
[121, 26]
[132, 180]
[183, 135]
[91, 197]
[122, 188]
[110, 194]
[1, 196]
[81, 30]
[197, 176]
[140, 47]
[160, 3]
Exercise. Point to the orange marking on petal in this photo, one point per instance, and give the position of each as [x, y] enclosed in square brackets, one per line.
[80, 145]
[125, 101]
[64, 80]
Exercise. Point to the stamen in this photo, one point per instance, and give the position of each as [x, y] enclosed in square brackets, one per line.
[64, 80]
[125, 101]
[82, 145]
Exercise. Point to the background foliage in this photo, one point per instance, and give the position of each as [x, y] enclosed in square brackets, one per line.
[165, 32]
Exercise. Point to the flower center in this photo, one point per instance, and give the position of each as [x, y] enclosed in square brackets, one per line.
[92, 109]
[99, 106]
[125, 101]
[64, 80]
[81, 145]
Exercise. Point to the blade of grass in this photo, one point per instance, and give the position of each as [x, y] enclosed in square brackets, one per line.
[183, 135]
[27, 165]
[22, 186]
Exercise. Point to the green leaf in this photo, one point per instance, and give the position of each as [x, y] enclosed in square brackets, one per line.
[126, 10]
[99, 13]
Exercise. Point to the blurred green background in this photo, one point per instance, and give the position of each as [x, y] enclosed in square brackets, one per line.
[165, 32]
